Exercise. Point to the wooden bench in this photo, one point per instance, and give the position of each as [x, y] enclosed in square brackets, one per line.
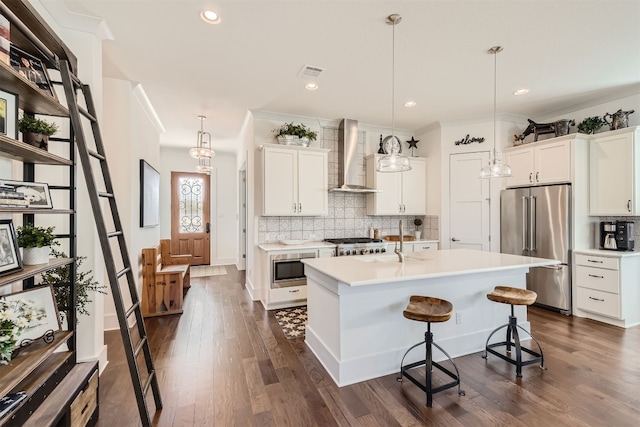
[164, 278]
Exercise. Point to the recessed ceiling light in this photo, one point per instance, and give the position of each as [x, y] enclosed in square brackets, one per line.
[521, 92]
[210, 17]
[311, 86]
[410, 104]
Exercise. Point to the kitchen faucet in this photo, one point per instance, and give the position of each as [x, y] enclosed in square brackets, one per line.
[399, 252]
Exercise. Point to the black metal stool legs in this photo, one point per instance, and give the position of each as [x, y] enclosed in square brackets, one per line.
[513, 339]
[428, 363]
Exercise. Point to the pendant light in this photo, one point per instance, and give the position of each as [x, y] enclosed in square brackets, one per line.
[495, 168]
[203, 144]
[204, 165]
[393, 161]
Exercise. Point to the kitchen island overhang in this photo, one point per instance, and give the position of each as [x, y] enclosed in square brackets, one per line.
[355, 323]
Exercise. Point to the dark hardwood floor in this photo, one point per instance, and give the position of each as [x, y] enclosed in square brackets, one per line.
[226, 362]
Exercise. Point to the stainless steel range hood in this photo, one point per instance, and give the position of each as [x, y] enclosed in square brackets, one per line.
[349, 161]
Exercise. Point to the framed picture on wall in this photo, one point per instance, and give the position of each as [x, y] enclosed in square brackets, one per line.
[10, 260]
[149, 195]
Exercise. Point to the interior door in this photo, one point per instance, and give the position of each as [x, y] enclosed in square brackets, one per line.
[468, 201]
[190, 216]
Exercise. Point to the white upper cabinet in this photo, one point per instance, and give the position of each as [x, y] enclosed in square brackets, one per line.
[295, 181]
[614, 159]
[401, 193]
[539, 163]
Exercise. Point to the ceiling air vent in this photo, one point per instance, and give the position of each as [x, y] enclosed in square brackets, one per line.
[310, 71]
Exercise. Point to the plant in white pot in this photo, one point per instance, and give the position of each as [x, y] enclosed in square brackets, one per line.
[418, 222]
[36, 243]
[294, 134]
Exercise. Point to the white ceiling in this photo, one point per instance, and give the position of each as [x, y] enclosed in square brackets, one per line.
[568, 53]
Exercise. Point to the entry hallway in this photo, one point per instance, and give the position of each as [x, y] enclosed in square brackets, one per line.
[226, 362]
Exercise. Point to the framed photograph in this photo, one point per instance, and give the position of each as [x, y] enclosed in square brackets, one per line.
[32, 69]
[10, 260]
[36, 192]
[5, 39]
[8, 113]
[44, 303]
[149, 195]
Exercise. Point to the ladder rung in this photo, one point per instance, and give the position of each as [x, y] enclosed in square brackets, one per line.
[53, 138]
[86, 114]
[109, 195]
[132, 309]
[75, 79]
[141, 344]
[145, 389]
[114, 234]
[96, 154]
[63, 236]
[123, 272]
[59, 187]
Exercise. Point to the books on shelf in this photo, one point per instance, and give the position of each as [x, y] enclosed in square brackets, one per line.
[23, 203]
[10, 401]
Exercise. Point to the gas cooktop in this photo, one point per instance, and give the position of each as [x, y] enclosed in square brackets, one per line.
[352, 240]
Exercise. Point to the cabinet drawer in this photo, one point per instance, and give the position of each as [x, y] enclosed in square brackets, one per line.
[424, 246]
[292, 293]
[600, 279]
[597, 261]
[599, 302]
[85, 403]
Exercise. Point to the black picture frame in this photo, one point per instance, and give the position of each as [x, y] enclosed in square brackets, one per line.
[10, 260]
[36, 192]
[32, 69]
[8, 113]
[149, 195]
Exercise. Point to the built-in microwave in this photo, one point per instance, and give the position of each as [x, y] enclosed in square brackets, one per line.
[288, 270]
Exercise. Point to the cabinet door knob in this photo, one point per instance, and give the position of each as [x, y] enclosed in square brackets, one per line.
[453, 239]
[531, 177]
[537, 176]
[629, 205]
[295, 207]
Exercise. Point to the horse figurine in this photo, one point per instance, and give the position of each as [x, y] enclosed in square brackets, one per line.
[536, 128]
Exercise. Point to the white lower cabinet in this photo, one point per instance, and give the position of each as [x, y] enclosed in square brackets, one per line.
[419, 246]
[607, 286]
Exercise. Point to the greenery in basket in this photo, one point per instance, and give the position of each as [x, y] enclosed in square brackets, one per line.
[30, 236]
[417, 222]
[31, 124]
[300, 131]
[591, 125]
[15, 317]
[60, 277]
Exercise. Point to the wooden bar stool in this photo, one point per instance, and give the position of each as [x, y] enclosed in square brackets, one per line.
[429, 309]
[514, 296]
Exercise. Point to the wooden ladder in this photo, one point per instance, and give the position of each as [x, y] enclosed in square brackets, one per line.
[112, 258]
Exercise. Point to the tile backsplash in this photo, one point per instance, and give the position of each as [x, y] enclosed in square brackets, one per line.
[346, 215]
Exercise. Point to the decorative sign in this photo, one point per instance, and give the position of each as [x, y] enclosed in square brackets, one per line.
[466, 140]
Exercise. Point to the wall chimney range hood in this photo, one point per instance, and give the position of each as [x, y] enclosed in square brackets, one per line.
[350, 165]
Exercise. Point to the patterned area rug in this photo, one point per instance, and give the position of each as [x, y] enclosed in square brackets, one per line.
[208, 270]
[292, 321]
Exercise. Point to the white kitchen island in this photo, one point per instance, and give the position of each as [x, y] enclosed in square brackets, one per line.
[355, 323]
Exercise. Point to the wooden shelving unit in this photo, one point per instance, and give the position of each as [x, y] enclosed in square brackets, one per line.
[16, 150]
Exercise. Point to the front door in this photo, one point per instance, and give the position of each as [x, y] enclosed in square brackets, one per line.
[468, 201]
[190, 221]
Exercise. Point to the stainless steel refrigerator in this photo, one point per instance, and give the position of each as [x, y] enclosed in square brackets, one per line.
[535, 221]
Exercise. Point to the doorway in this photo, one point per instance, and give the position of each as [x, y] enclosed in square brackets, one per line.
[190, 216]
[469, 202]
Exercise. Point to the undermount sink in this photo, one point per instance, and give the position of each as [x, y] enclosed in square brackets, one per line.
[391, 258]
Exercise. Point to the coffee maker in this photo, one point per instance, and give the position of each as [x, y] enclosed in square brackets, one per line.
[608, 235]
[624, 236]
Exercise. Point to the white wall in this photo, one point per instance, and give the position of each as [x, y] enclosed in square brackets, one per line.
[224, 198]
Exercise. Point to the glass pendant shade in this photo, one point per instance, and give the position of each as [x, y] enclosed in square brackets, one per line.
[495, 168]
[203, 144]
[204, 165]
[394, 161]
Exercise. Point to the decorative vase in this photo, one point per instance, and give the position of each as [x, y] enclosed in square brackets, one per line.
[418, 234]
[288, 139]
[36, 139]
[35, 256]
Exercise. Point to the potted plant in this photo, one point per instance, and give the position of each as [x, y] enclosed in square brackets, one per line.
[36, 243]
[36, 132]
[591, 125]
[418, 222]
[60, 278]
[294, 134]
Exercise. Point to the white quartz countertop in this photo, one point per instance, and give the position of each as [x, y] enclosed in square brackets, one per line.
[606, 253]
[307, 245]
[377, 269]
